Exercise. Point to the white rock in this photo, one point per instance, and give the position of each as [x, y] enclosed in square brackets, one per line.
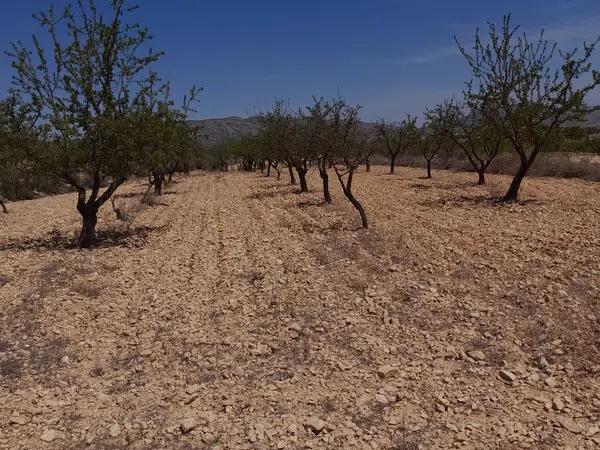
[558, 404]
[570, 425]
[18, 420]
[114, 430]
[192, 389]
[386, 371]
[592, 431]
[187, 425]
[315, 424]
[382, 399]
[49, 435]
[477, 355]
[507, 376]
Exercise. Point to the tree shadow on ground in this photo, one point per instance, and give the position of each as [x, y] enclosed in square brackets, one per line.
[460, 201]
[269, 184]
[420, 186]
[310, 203]
[128, 195]
[477, 200]
[112, 237]
[269, 194]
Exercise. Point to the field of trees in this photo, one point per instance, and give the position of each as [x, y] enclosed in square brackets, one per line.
[298, 285]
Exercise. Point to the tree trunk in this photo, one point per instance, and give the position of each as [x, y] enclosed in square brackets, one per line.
[223, 164]
[89, 210]
[481, 173]
[292, 177]
[513, 191]
[89, 215]
[368, 165]
[347, 188]
[158, 183]
[302, 177]
[3, 206]
[428, 168]
[325, 178]
[358, 206]
[268, 168]
[393, 163]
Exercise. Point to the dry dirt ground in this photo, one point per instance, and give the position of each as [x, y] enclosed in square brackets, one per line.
[241, 315]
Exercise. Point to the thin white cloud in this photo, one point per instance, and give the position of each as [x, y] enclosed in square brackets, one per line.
[585, 29]
[430, 56]
[426, 57]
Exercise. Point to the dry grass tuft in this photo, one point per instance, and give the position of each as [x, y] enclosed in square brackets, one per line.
[87, 289]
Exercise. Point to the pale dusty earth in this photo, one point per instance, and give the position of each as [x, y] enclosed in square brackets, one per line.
[241, 315]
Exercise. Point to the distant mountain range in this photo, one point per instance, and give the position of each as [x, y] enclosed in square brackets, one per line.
[217, 131]
[593, 119]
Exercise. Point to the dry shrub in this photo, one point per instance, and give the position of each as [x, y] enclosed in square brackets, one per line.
[150, 199]
[126, 210]
[562, 165]
[87, 290]
[559, 165]
[10, 368]
[4, 280]
[46, 355]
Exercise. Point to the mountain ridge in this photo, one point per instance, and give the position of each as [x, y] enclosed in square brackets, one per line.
[219, 130]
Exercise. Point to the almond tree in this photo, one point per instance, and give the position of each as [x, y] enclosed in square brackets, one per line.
[398, 137]
[528, 89]
[277, 133]
[83, 88]
[17, 173]
[429, 145]
[9, 158]
[372, 147]
[169, 141]
[299, 149]
[320, 140]
[349, 145]
[469, 131]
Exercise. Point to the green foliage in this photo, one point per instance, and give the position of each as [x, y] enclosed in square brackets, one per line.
[278, 138]
[468, 130]
[219, 156]
[91, 100]
[165, 140]
[82, 90]
[398, 138]
[528, 90]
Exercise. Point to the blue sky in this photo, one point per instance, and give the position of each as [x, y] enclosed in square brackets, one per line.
[392, 57]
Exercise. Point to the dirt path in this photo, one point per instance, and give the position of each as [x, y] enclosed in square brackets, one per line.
[262, 319]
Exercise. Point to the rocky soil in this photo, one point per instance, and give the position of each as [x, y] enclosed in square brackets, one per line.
[238, 314]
